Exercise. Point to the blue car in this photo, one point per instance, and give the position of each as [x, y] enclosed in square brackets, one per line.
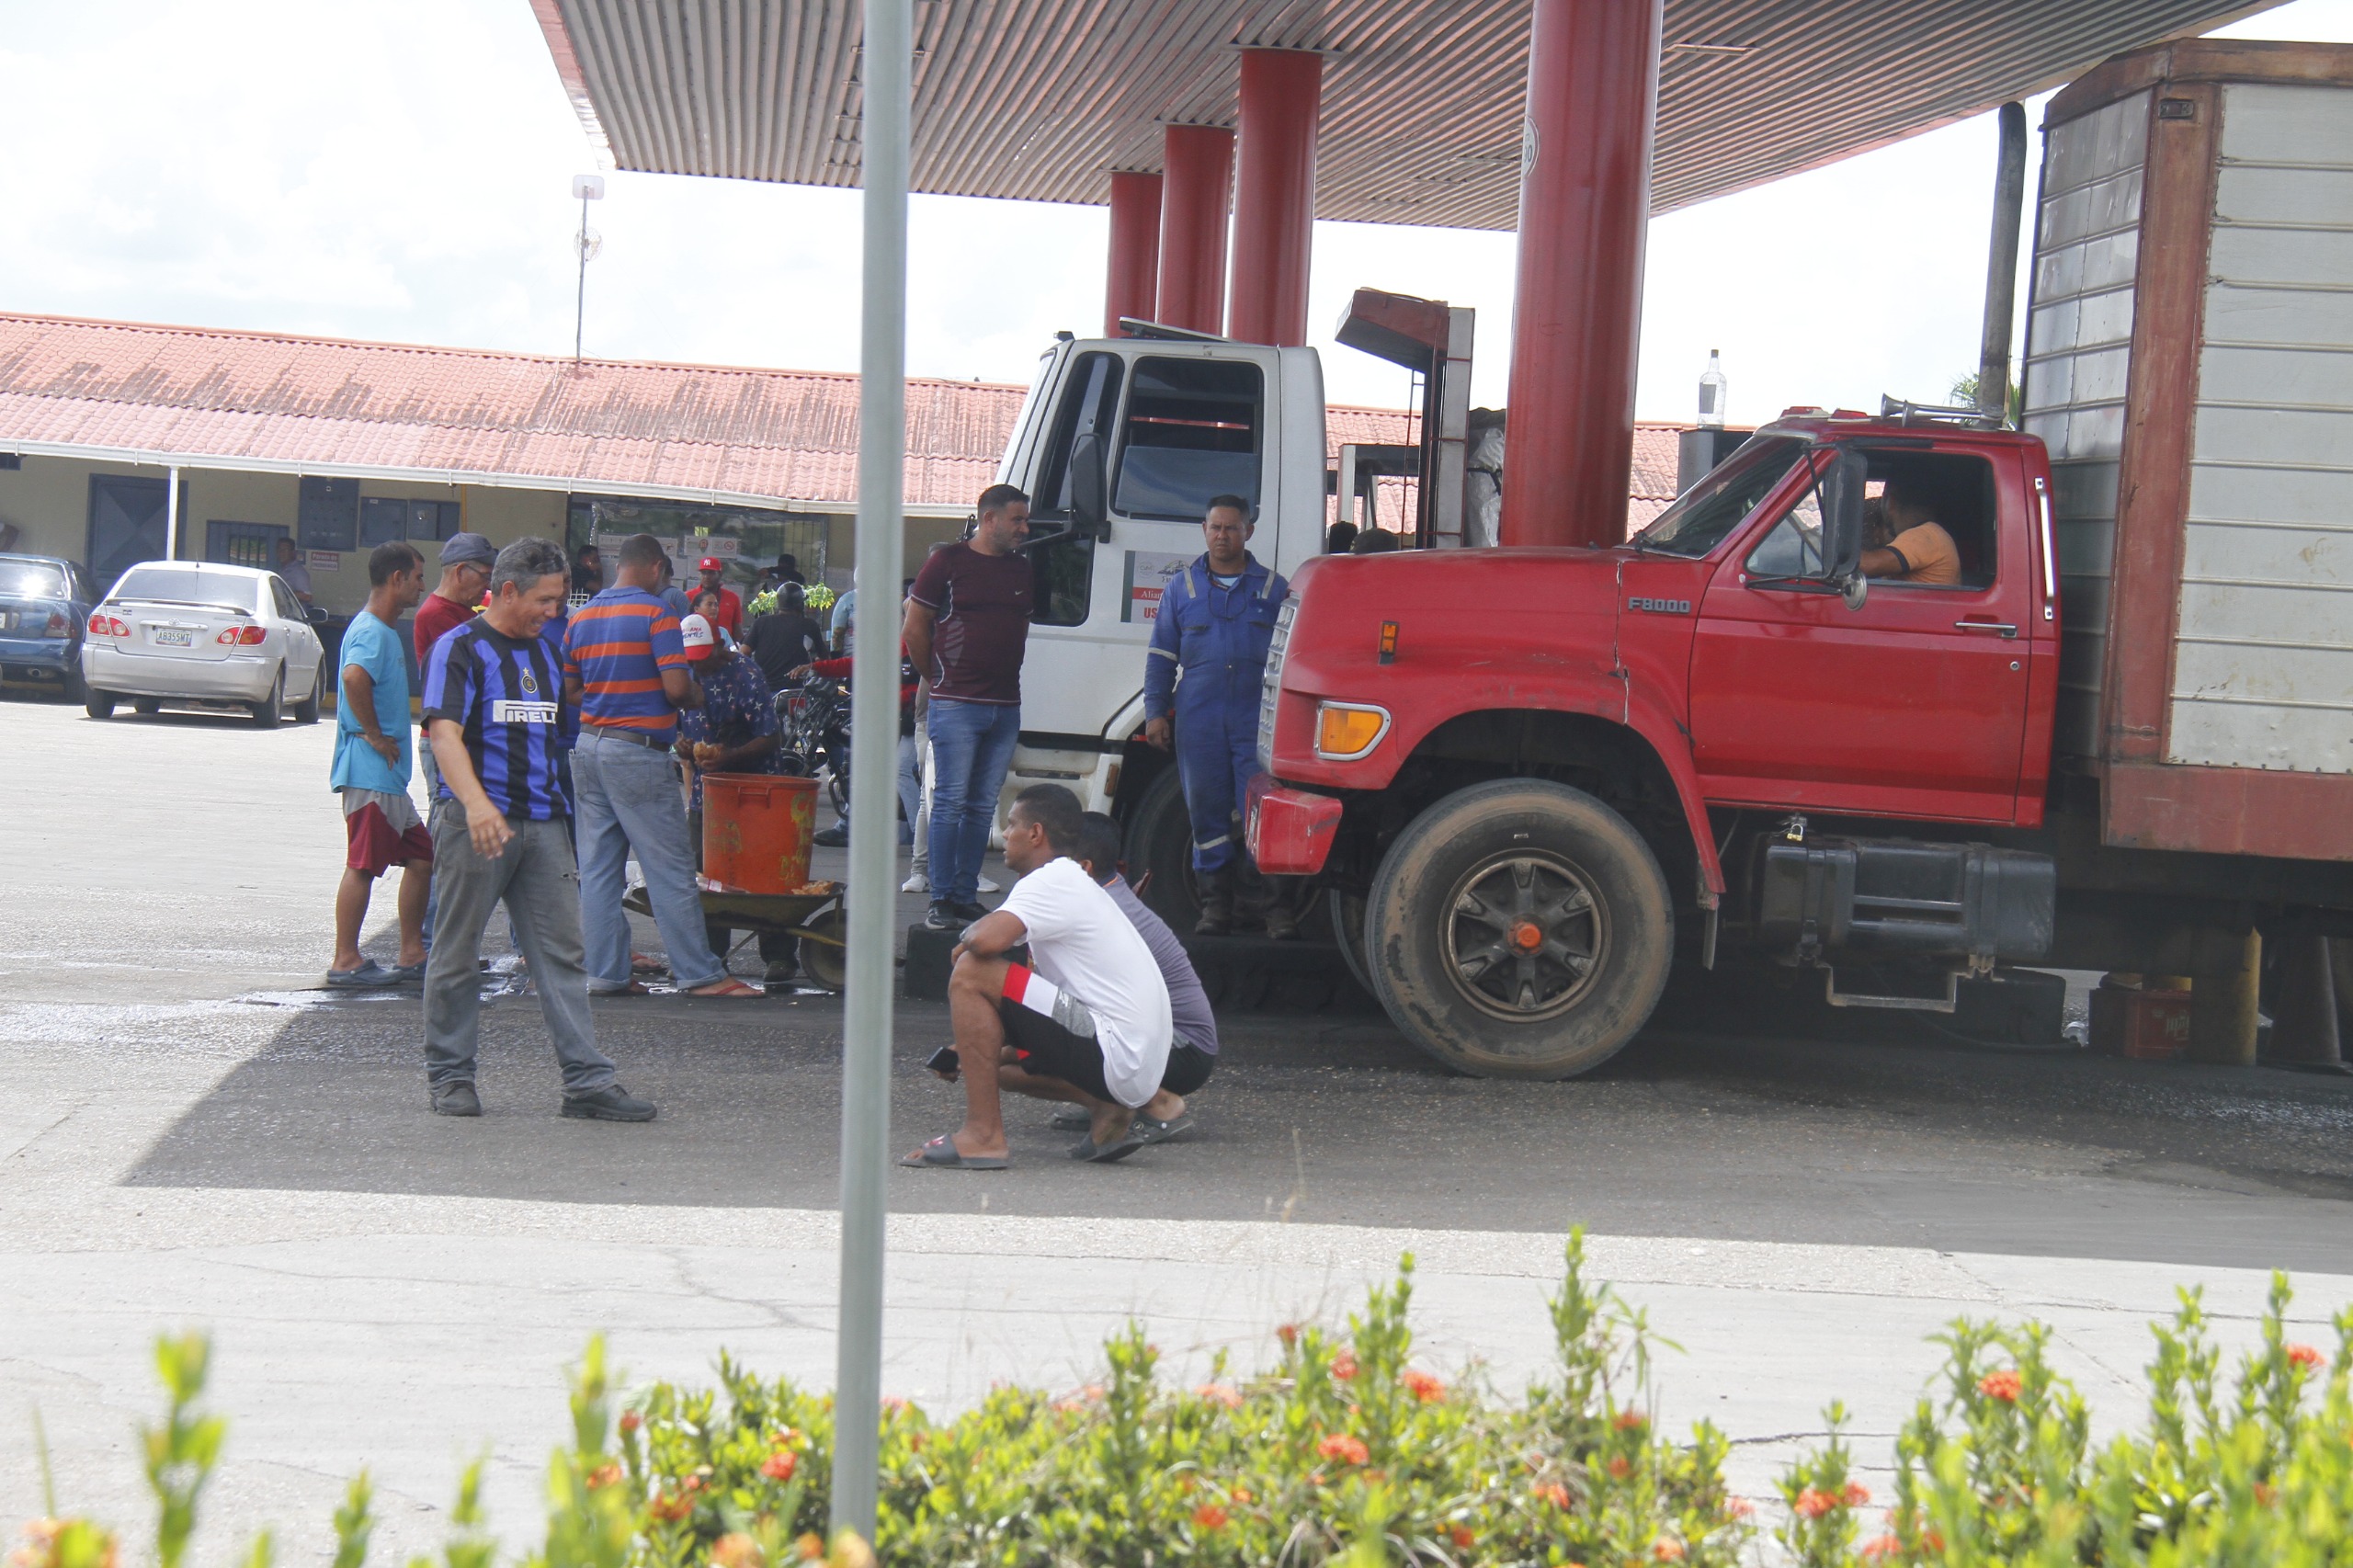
[45, 603]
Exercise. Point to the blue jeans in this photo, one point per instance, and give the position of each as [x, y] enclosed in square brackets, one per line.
[971, 745]
[628, 798]
[910, 785]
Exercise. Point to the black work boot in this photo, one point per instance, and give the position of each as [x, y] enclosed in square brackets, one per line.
[1216, 889]
[456, 1098]
[611, 1103]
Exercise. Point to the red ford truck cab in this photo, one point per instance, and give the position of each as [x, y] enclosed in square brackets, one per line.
[1516, 767]
[2117, 733]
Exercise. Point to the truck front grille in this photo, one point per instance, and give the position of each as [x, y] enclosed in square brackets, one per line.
[1271, 683]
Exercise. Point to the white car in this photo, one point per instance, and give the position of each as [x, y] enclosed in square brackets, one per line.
[184, 631]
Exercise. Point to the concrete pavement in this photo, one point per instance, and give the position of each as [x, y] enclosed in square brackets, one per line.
[395, 1291]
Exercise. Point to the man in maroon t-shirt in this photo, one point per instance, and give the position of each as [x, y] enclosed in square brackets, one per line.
[968, 624]
[465, 572]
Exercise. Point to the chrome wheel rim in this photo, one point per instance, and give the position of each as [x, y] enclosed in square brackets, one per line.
[1526, 936]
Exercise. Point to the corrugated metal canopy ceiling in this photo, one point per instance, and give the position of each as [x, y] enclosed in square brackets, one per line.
[1039, 99]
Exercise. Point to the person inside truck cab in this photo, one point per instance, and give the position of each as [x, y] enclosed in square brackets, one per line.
[1903, 541]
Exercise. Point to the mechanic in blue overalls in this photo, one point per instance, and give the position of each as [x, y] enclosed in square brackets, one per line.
[1209, 650]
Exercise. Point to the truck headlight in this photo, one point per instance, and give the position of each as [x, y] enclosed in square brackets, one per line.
[1347, 731]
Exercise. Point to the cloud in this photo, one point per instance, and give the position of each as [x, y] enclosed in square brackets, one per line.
[403, 172]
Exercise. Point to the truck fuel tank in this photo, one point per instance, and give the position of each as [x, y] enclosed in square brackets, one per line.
[1906, 897]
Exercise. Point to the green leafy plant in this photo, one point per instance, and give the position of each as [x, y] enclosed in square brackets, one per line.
[1346, 1453]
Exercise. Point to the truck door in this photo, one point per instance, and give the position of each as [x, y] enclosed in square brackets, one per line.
[1912, 706]
[1177, 422]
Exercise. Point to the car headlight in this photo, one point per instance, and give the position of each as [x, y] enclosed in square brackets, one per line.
[1347, 730]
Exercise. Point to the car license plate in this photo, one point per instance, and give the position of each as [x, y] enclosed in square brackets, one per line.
[165, 637]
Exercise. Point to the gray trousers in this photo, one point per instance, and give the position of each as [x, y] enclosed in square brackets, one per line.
[536, 878]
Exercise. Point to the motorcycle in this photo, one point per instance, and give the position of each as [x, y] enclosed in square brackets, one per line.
[813, 725]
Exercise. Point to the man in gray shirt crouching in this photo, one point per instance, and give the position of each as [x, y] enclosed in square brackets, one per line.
[1192, 1054]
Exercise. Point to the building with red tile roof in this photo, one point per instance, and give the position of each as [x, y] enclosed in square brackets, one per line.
[419, 441]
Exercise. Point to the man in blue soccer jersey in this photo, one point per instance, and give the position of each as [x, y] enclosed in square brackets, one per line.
[493, 698]
[1201, 694]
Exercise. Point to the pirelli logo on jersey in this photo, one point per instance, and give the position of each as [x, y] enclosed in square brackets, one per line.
[1660, 606]
[505, 711]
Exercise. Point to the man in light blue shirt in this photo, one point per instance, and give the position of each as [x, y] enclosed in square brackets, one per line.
[372, 756]
[845, 622]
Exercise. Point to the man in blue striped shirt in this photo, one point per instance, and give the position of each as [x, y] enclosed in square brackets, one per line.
[493, 695]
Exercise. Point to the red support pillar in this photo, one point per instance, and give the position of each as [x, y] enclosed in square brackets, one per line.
[1274, 196]
[1198, 164]
[1132, 284]
[1576, 324]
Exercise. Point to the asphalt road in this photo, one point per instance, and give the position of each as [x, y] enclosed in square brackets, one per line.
[153, 859]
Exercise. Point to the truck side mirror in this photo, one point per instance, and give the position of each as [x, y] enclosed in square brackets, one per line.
[1090, 505]
[1842, 526]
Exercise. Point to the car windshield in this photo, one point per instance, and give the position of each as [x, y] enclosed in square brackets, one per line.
[1714, 507]
[184, 586]
[31, 580]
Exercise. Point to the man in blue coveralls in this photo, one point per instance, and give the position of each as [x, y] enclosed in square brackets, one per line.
[1209, 650]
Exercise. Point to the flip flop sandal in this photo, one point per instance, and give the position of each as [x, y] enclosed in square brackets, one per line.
[1147, 1130]
[941, 1154]
[634, 988]
[641, 963]
[369, 976]
[732, 988]
[1104, 1153]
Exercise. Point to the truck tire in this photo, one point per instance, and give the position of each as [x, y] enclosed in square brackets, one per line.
[1519, 929]
[1160, 845]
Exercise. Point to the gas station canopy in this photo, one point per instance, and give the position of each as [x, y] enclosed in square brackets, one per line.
[1421, 104]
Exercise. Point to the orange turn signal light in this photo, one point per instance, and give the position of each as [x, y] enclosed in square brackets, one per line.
[1345, 731]
[1388, 642]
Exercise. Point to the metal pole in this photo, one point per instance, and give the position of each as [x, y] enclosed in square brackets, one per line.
[874, 738]
[1274, 196]
[172, 514]
[1585, 208]
[2002, 267]
[580, 301]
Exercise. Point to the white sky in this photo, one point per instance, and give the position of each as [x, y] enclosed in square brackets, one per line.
[400, 172]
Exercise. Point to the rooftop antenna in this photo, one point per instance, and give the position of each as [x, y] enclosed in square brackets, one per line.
[589, 242]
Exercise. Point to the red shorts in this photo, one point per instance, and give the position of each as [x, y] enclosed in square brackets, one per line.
[381, 829]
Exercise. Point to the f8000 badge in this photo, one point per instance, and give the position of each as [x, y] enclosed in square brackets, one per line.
[1661, 606]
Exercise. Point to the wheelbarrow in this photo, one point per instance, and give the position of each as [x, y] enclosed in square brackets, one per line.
[815, 915]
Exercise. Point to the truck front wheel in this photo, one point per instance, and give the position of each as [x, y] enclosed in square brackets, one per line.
[1519, 929]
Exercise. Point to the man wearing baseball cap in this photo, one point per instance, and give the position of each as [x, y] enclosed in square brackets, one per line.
[731, 607]
[465, 576]
[735, 731]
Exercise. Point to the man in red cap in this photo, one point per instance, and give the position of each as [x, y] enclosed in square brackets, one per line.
[731, 607]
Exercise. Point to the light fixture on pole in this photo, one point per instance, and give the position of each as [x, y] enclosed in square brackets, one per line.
[588, 241]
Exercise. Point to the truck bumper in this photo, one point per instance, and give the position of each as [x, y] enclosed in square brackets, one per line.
[1291, 831]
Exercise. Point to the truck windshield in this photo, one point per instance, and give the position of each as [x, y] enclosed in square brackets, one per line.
[1192, 432]
[1714, 507]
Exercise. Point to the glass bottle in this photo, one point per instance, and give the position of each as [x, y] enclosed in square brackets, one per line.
[1712, 388]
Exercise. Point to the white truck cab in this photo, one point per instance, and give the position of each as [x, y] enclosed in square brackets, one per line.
[1119, 445]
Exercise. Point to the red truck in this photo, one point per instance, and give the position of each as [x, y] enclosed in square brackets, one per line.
[1533, 778]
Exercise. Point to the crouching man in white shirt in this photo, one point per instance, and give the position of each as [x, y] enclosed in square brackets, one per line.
[1086, 1022]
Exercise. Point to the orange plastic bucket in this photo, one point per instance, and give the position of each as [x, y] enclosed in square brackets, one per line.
[756, 830]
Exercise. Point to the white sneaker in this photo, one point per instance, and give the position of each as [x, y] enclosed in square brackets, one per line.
[985, 885]
[917, 884]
